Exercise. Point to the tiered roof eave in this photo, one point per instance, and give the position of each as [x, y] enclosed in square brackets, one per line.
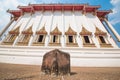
[53, 7]
[16, 13]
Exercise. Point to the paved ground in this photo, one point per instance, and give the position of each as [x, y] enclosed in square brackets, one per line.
[28, 72]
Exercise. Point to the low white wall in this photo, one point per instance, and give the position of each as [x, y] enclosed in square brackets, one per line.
[79, 57]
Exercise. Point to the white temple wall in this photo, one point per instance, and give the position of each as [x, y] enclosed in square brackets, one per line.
[10, 27]
[110, 39]
[89, 18]
[86, 23]
[98, 22]
[82, 57]
[63, 20]
[26, 18]
[57, 21]
[63, 32]
[78, 20]
[31, 22]
[35, 24]
[74, 23]
[47, 22]
[37, 21]
[95, 40]
[69, 20]
[95, 21]
[79, 41]
[6, 32]
[18, 22]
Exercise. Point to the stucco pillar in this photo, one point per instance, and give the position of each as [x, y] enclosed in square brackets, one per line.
[7, 26]
[112, 29]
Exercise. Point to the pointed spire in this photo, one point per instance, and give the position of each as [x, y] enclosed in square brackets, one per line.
[99, 32]
[28, 31]
[56, 31]
[15, 31]
[70, 31]
[85, 31]
[42, 30]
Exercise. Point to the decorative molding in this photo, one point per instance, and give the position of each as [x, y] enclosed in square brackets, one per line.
[106, 46]
[24, 39]
[42, 31]
[10, 38]
[15, 31]
[35, 41]
[71, 44]
[28, 31]
[70, 31]
[54, 44]
[85, 31]
[99, 32]
[57, 40]
[56, 31]
[91, 44]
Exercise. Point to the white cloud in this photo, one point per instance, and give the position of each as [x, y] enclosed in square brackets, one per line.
[114, 1]
[115, 16]
[10, 4]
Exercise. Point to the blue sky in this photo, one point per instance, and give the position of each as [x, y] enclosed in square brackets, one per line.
[114, 17]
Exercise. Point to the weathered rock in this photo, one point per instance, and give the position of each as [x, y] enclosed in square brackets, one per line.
[56, 62]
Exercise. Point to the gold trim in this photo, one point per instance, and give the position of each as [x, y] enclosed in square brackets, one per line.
[56, 31]
[54, 44]
[57, 43]
[28, 31]
[71, 44]
[24, 39]
[99, 32]
[74, 44]
[15, 31]
[42, 31]
[70, 31]
[85, 31]
[107, 45]
[36, 43]
[10, 38]
[91, 44]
